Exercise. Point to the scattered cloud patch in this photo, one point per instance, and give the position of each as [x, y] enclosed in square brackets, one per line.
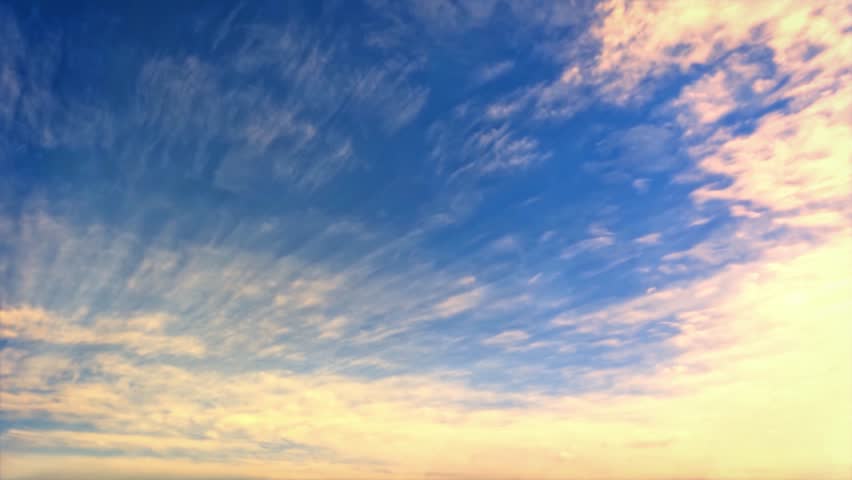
[459, 303]
[493, 71]
[649, 239]
[508, 337]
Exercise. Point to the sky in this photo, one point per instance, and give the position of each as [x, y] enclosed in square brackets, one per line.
[430, 239]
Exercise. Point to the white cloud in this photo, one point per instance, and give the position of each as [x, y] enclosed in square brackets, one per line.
[372, 362]
[506, 243]
[555, 100]
[501, 149]
[649, 239]
[143, 335]
[459, 303]
[505, 109]
[469, 146]
[599, 237]
[493, 71]
[641, 185]
[334, 328]
[508, 337]
[708, 99]
[203, 291]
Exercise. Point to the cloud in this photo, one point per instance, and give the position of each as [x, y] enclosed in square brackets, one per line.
[508, 337]
[782, 163]
[547, 236]
[641, 185]
[493, 71]
[506, 243]
[545, 101]
[505, 109]
[387, 90]
[333, 328]
[231, 295]
[459, 303]
[500, 149]
[210, 112]
[707, 99]
[640, 41]
[642, 149]
[733, 331]
[131, 444]
[482, 149]
[738, 327]
[372, 362]
[599, 237]
[168, 408]
[30, 106]
[308, 292]
[649, 239]
[789, 168]
[143, 335]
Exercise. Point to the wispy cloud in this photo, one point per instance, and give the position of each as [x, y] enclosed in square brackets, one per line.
[334, 328]
[555, 100]
[508, 337]
[493, 71]
[649, 239]
[486, 150]
[599, 237]
[143, 335]
[459, 303]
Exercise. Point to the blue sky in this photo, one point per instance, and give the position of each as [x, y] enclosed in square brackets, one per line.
[508, 220]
